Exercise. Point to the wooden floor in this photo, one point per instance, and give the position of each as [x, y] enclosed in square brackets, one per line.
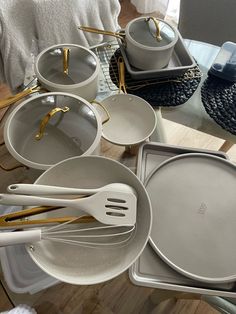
[117, 296]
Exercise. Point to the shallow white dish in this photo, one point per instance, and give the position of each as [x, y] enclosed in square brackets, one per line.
[132, 120]
[81, 265]
[193, 200]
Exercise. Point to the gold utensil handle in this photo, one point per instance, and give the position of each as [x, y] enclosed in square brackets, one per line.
[105, 109]
[10, 220]
[66, 54]
[158, 31]
[45, 120]
[101, 31]
[121, 67]
[12, 99]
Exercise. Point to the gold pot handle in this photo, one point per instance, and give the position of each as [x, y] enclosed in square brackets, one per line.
[66, 54]
[121, 68]
[104, 108]
[119, 35]
[45, 120]
[158, 31]
[12, 99]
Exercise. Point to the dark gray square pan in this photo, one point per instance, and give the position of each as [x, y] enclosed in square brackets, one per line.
[180, 62]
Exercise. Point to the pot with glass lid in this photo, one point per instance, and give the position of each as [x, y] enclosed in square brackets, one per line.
[148, 41]
[68, 68]
[65, 68]
[50, 127]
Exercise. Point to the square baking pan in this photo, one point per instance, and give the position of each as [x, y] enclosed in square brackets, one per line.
[150, 270]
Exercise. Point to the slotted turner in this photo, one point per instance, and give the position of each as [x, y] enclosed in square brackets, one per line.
[108, 207]
[37, 189]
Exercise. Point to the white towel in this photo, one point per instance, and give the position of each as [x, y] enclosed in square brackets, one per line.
[25, 24]
[21, 309]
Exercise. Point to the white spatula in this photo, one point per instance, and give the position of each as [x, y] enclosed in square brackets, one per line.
[37, 189]
[108, 207]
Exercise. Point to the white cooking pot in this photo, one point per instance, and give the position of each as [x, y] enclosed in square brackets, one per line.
[65, 68]
[51, 127]
[148, 41]
[69, 68]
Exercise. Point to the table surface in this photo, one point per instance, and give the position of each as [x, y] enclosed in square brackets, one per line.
[185, 114]
[192, 113]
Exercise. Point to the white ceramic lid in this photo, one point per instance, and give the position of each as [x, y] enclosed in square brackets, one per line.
[143, 31]
[194, 213]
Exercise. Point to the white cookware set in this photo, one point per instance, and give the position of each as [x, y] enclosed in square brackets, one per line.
[72, 69]
[59, 130]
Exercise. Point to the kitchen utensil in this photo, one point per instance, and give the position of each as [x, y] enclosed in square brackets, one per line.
[108, 207]
[193, 197]
[132, 119]
[36, 189]
[148, 41]
[74, 132]
[19, 219]
[50, 64]
[19, 271]
[85, 265]
[99, 236]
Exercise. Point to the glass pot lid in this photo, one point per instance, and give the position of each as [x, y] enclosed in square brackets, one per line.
[67, 65]
[146, 30]
[50, 128]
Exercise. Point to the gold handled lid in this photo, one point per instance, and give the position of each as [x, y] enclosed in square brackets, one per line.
[45, 132]
[151, 32]
[66, 65]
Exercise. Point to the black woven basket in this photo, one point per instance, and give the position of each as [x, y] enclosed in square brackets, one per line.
[158, 92]
[219, 99]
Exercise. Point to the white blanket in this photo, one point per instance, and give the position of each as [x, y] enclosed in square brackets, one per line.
[28, 26]
[21, 309]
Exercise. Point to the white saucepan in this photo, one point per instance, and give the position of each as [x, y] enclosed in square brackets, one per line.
[65, 68]
[148, 41]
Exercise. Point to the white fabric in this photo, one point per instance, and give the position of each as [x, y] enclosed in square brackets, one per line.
[21, 309]
[149, 6]
[172, 14]
[47, 22]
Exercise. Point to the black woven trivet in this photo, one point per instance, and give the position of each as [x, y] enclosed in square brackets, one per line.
[219, 100]
[159, 92]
